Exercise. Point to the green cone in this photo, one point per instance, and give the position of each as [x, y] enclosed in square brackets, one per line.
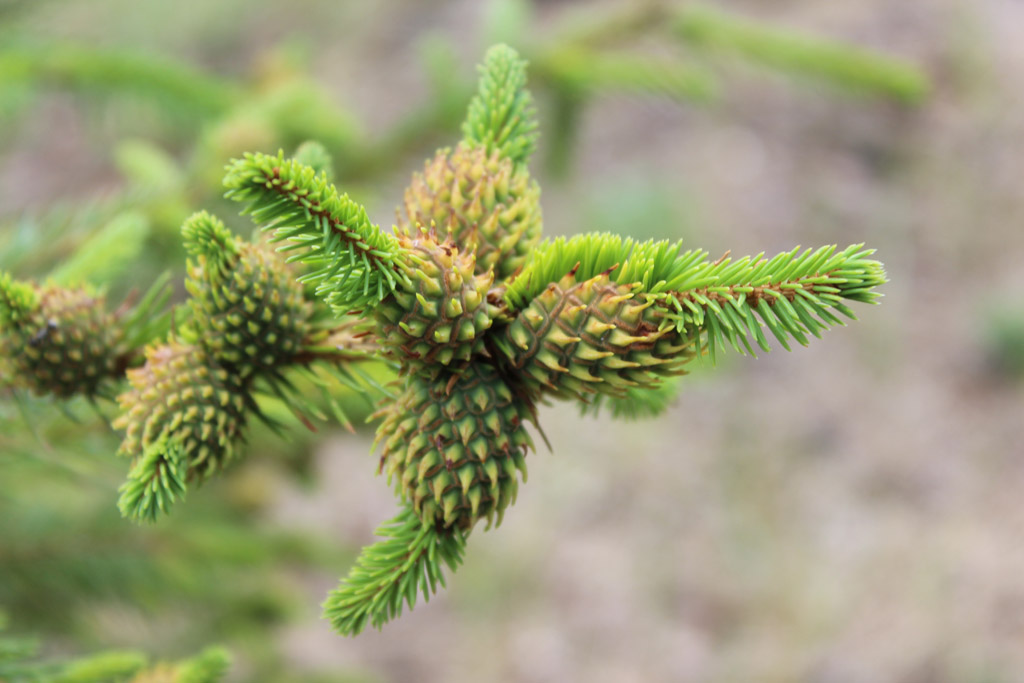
[182, 396]
[248, 310]
[483, 202]
[452, 445]
[58, 341]
[440, 317]
[577, 339]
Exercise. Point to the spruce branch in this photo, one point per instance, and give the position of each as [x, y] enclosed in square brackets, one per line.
[583, 70]
[178, 86]
[501, 115]
[209, 666]
[599, 318]
[795, 294]
[261, 320]
[183, 415]
[354, 262]
[252, 333]
[850, 67]
[410, 560]
[480, 322]
[105, 667]
[19, 663]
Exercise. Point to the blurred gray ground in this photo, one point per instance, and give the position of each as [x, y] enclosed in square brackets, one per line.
[849, 512]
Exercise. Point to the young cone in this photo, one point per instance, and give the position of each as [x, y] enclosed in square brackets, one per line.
[452, 445]
[440, 316]
[249, 312]
[483, 202]
[576, 339]
[183, 397]
[58, 341]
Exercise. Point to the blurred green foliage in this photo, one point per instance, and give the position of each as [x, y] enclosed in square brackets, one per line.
[1003, 342]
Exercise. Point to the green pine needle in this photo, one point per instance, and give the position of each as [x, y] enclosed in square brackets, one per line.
[155, 482]
[354, 262]
[148, 320]
[501, 115]
[623, 258]
[19, 662]
[89, 69]
[407, 562]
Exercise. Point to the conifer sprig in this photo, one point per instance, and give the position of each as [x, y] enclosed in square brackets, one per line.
[795, 294]
[626, 261]
[481, 324]
[203, 234]
[17, 301]
[583, 70]
[501, 115]
[850, 67]
[183, 416]
[250, 331]
[409, 561]
[155, 482]
[149, 318]
[209, 666]
[352, 260]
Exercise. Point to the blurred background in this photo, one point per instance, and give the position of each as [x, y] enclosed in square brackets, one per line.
[847, 512]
